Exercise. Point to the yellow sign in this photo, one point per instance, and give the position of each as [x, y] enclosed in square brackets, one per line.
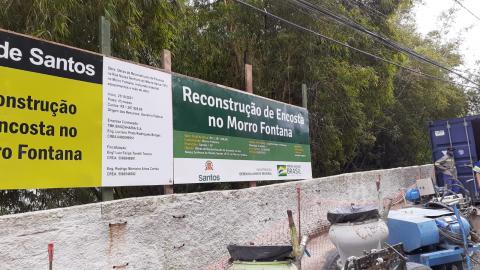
[50, 131]
[70, 118]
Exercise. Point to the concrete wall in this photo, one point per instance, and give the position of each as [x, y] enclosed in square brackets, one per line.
[184, 231]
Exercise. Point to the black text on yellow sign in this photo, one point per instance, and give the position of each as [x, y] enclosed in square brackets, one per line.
[50, 115]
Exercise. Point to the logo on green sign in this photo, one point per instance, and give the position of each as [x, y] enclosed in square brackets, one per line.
[282, 170]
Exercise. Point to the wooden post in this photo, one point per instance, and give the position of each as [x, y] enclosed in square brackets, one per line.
[304, 101]
[105, 37]
[167, 60]
[167, 66]
[304, 96]
[106, 49]
[249, 89]
[248, 78]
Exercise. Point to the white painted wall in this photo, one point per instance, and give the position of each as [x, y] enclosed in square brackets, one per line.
[183, 231]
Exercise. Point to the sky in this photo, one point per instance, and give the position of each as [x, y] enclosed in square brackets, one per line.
[428, 12]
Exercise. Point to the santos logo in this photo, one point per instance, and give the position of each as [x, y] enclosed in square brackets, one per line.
[286, 170]
[208, 177]
[208, 166]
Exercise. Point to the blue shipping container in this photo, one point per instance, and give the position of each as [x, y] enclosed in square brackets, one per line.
[463, 135]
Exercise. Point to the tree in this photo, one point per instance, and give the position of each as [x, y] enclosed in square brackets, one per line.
[364, 113]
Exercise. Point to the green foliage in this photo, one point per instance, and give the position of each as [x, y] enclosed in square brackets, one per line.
[140, 29]
[364, 113]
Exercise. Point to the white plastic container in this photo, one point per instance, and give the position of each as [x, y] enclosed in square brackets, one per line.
[352, 239]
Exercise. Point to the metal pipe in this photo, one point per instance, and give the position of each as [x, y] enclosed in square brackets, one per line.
[293, 234]
[464, 236]
[303, 246]
[50, 256]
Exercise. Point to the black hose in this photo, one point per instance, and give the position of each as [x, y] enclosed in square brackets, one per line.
[460, 184]
[454, 237]
[458, 180]
[467, 192]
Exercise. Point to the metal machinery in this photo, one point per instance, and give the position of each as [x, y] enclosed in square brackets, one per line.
[359, 234]
[432, 237]
[433, 231]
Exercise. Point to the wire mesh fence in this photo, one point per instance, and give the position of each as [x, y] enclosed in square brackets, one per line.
[311, 213]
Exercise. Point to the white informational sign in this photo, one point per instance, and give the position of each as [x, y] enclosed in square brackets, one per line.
[224, 170]
[226, 135]
[137, 125]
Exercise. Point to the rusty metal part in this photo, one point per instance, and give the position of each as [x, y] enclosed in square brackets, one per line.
[378, 182]
[396, 251]
[179, 247]
[50, 256]
[122, 266]
[384, 215]
[383, 259]
[118, 224]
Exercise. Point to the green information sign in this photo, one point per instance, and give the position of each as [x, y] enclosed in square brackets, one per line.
[222, 134]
